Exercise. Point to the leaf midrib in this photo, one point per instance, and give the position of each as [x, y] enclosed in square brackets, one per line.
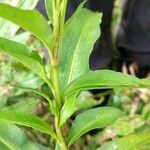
[75, 52]
[6, 143]
[87, 127]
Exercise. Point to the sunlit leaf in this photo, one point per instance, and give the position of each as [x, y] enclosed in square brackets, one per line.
[9, 29]
[28, 20]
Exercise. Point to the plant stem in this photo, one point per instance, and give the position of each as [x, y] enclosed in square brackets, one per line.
[62, 143]
[59, 10]
[57, 87]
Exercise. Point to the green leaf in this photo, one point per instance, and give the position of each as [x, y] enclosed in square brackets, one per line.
[92, 119]
[9, 29]
[79, 37]
[145, 83]
[25, 106]
[26, 4]
[3, 146]
[28, 20]
[22, 37]
[12, 138]
[73, 103]
[102, 79]
[86, 100]
[21, 3]
[25, 119]
[131, 142]
[24, 55]
[49, 9]
[76, 13]
[53, 108]
[67, 110]
[57, 147]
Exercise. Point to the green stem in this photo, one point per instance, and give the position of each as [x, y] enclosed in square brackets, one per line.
[61, 141]
[59, 9]
[57, 87]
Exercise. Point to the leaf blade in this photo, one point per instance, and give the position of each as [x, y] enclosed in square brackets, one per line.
[25, 106]
[130, 142]
[49, 10]
[28, 58]
[79, 38]
[53, 108]
[28, 20]
[25, 119]
[7, 134]
[92, 119]
[14, 138]
[101, 79]
[67, 109]
[9, 27]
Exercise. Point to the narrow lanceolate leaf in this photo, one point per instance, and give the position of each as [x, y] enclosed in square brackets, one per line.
[13, 138]
[24, 55]
[92, 119]
[26, 4]
[79, 37]
[28, 20]
[9, 29]
[25, 106]
[145, 83]
[103, 79]
[49, 9]
[137, 141]
[25, 119]
[53, 108]
[68, 109]
[76, 13]
[3, 146]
